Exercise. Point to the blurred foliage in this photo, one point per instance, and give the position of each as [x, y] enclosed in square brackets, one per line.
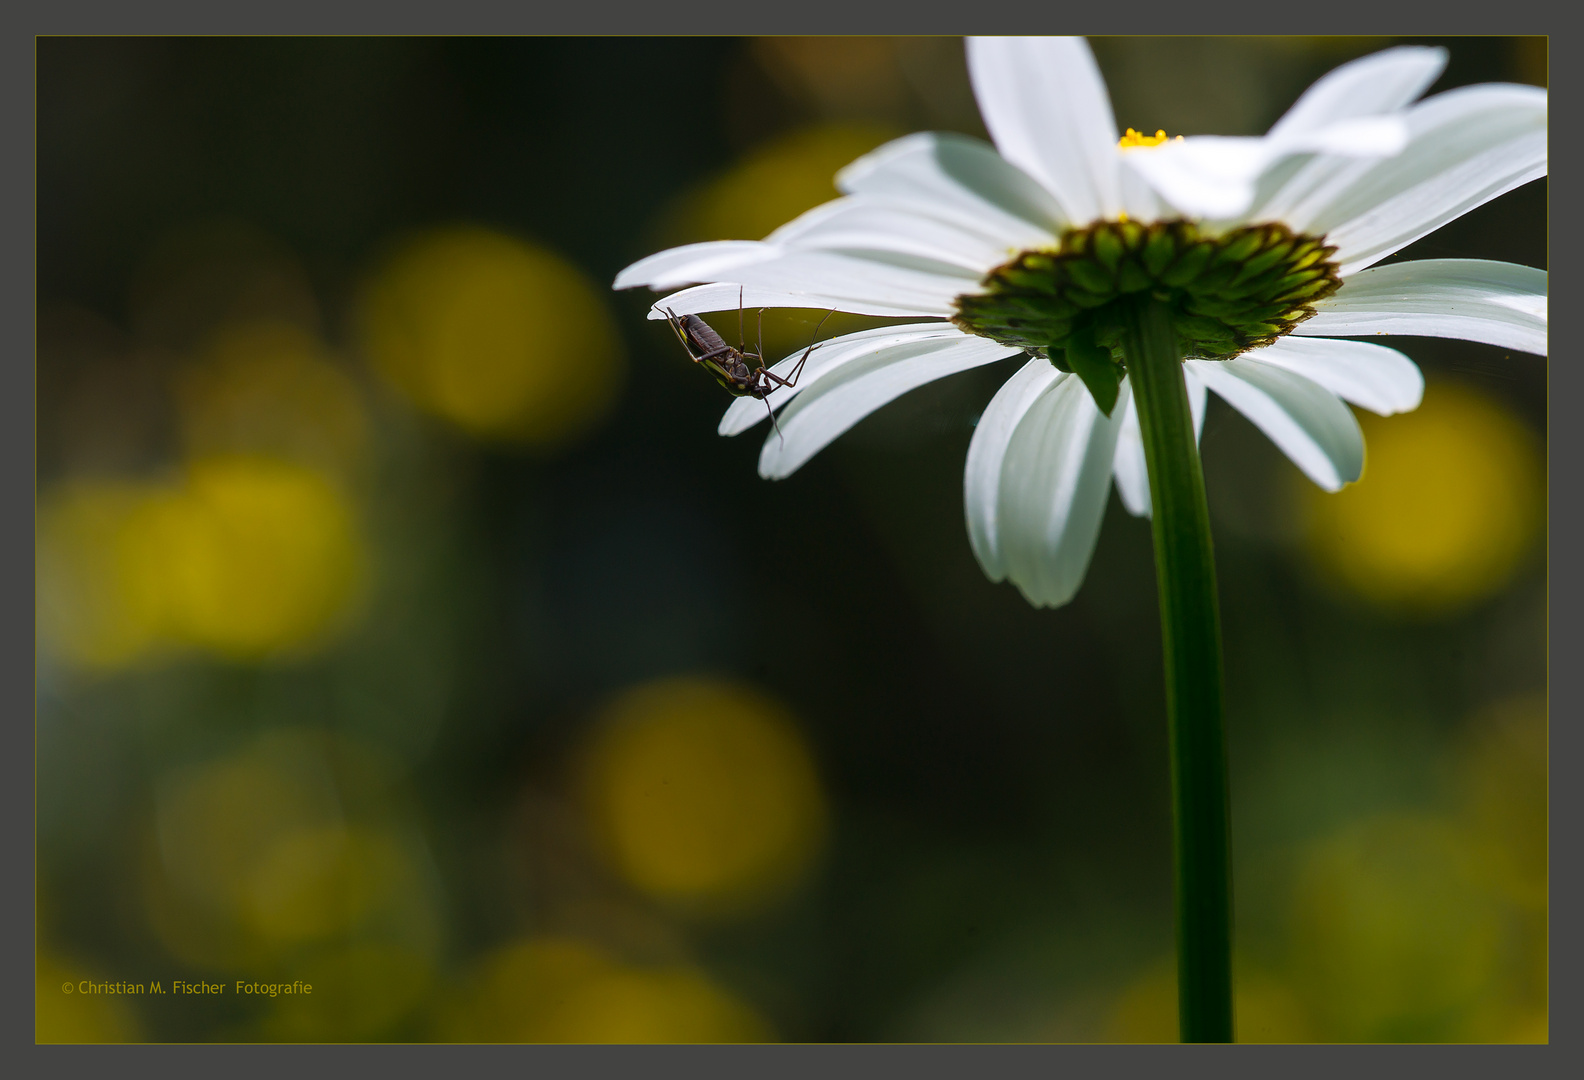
[405, 630]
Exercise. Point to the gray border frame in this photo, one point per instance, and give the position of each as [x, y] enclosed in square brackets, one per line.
[17, 461]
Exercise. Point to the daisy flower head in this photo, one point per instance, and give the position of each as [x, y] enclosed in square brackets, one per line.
[1264, 250]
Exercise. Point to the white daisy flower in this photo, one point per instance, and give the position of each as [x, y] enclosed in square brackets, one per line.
[1265, 247]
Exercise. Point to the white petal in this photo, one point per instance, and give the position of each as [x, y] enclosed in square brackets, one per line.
[1382, 82]
[839, 400]
[858, 279]
[1498, 303]
[961, 179]
[691, 263]
[1381, 380]
[825, 358]
[1424, 208]
[1196, 401]
[1307, 422]
[1046, 106]
[1216, 176]
[986, 453]
[1139, 199]
[1466, 147]
[860, 225]
[1362, 136]
[726, 296]
[1130, 470]
[825, 279]
[1206, 176]
[1055, 477]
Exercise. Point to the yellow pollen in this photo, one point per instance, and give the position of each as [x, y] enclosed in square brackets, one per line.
[1138, 138]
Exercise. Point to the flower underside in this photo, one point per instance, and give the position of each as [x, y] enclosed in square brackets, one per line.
[1227, 294]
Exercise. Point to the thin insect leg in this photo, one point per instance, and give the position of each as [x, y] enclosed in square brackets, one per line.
[761, 335]
[741, 341]
[773, 423]
[797, 371]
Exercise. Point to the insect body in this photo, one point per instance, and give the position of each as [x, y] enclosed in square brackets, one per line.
[731, 366]
[728, 365]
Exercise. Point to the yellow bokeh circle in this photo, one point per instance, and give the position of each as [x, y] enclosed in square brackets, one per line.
[704, 794]
[1450, 502]
[564, 990]
[246, 557]
[505, 339]
[101, 601]
[264, 554]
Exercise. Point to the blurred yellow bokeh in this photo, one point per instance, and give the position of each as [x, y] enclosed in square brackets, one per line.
[1452, 497]
[265, 554]
[99, 574]
[771, 184]
[255, 857]
[1265, 1009]
[562, 990]
[505, 339]
[1396, 938]
[269, 387]
[704, 794]
[323, 881]
[246, 557]
[77, 1017]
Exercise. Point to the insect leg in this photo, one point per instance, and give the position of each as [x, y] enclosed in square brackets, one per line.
[724, 350]
[676, 328]
[797, 371]
[773, 423]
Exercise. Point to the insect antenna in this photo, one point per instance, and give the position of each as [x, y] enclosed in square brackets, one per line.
[742, 342]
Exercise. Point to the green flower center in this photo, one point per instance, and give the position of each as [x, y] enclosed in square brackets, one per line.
[1228, 294]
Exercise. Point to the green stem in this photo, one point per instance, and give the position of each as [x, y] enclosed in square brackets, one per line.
[1191, 635]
